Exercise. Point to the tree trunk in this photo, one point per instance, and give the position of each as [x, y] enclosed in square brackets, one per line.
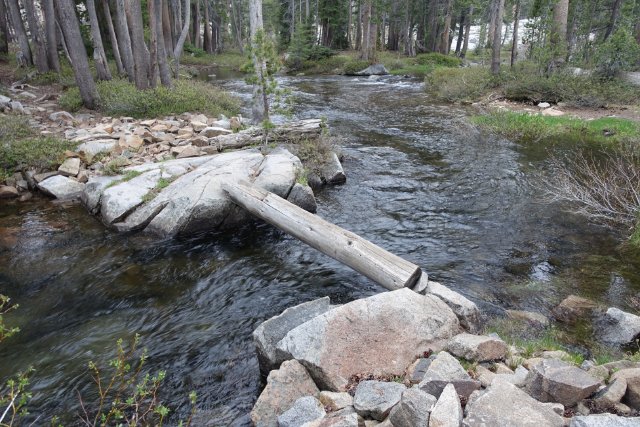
[615, 12]
[207, 29]
[516, 23]
[153, 44]
[461, 28]
[177, 51]
[409, 46]
[369, 32]
[40, 58]
[20, 33]
[196, 41]
[4, 29]
[432, 27]
[163, 66]
[467, 29]
[349, 24]
[260, 108]
[66, 10]
[558, 37]
[138, 46]
[115, 49]
[358, 45]
[99, 57]
[167, 28]
[51, 34]
[444, 37]
[124, 40]
[492, 24]
[497, 36]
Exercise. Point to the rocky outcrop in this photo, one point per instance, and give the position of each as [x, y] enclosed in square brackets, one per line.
[339, 343]
[374, 399]
[556, 381]
[284, 387]
[477, 348]
[631, 378]
[503, 404]
[618, 327]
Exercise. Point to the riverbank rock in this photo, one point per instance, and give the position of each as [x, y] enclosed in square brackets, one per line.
[271, 331]
[447, 412]
[413, 410]
[477, 348]
[504, 404]
[284, 387]
[618, 327]
[373, 70]
[304, 410]
[603, 420]
[61, 187]
[379, 335]
[8, 192]
[631, 378]
[374, 399]
[335, 401]
[573, 308]
[190, 197]
[332, 171]
[466, 311]
[556, 381]
[443, 370]
[302, 195]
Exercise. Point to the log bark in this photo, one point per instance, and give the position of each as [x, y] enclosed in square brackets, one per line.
[99, 56]
[290, 133]
[51, 34]
[260, 108]
[379, 265]
[20, 33]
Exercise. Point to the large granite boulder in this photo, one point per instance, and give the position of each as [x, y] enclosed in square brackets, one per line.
[373, 70]
[553, 380]
[61, 187]
[379, 335]
[573, 308]
[374, 399]
[504, 404]
[184, 196]
[477, 348]
[618, 327]
[284, 387]
[271, 331]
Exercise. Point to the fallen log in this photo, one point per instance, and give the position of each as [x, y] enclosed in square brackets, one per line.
[288, 133]
[377, 264]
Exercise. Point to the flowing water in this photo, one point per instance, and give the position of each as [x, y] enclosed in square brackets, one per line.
[422, 183]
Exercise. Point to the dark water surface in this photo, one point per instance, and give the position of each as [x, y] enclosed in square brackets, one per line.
[422, 183]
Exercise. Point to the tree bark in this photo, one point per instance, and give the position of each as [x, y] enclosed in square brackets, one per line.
[497, 36]
[99, 57]
[138, 46]
[467, 29]
[196, 24]
[163, 66]
[444, 36]
[558, 37]
[51, 33]
[461, 28]
[207, 29]
[260, 109]
[112, 37]
[516, 23]
[615, 12]
[177, 51]
[4, 29]
[153, 44]
[35, 29]
[66, 10]
[431, 42]
[124, 40]
[20, 32]
[167, 28]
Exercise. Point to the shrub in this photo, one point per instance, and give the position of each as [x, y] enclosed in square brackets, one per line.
[194, 51]
[459, 84]
[438, 59]
[318, 52]
[353, 66]
[620, 52]
[120, 98]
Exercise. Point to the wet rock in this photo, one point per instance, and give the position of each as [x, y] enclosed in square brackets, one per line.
[466, 311]
[304, 410]
[211, 132]
[505, 405]
[284, 387]
[632, 379]
[302, 196]
[413, 410]
[447, 411]
[70, 167]
[8, 192]
[603, 420]
[443, 370]
[26, 196]
[477, 348]
[338, 344]
[573, 308]
[374, 399]
[373, 70]
[557, 381]
[528, 316]
[618, 327]
[335, 401]
[270, 332]
[332, 171]
[61, 187]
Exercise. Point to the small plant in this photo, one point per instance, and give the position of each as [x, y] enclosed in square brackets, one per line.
[162, 183]
[115, 166]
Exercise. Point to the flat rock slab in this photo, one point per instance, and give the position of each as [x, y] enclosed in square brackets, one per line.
[556, 381]
[374, 399]
[477, 348]
[61, 187]
[190, 197]
[504, 404]
[284, 387]
[379, 335]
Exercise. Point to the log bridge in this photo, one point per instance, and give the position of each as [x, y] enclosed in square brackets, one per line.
[379, 265]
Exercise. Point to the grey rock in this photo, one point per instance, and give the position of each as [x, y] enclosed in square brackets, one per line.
[373, 70]
[557, 381]
[16, 107]
[374, 399]
[347, 420]
[338, 344]
[447, 412]
[611, 395]
[61, 116]
[518, 378]
[61, 187]
[413, 410]
[632, 379]
[8, 192]
[332, 171]
[284, 387]
[417, 370]
[477, 348]
[304, 410]
[335, 401]
[91, 149]
[544, 105]
[93, 190]
[121, 199]
[573, 308]
[302, 196]
[484, 375]
[211, 131]
[604, 420]
[4, 101]
[467, 312]
[505, 405]
[443, 370]
[618, 327]
[70, 167]
[271, 331]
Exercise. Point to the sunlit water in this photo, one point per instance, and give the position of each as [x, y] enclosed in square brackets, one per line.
[422, 183]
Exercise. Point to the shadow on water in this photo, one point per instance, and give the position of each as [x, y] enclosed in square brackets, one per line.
[422, 184]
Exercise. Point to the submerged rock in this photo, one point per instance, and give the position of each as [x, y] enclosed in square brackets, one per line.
[379, 335]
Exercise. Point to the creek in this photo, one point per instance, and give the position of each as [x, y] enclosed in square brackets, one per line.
[422, 183]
